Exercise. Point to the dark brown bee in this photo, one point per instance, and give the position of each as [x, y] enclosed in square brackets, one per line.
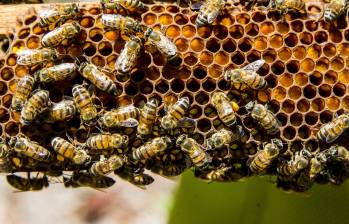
[105, 166]
[61, 111]
[5, 152]
[107, 141]
[338, 153]
[221, 174]
[56, 36]
[135, 177]
[265, 118]
[83, 101]
[151, 148]
[80, 179]
[34, 106]
[64, 148]
[56, 73]
[29, 148]
[330, 131]
[27, 184]
[58, 13]
[36, 56]
[24, 88]
[317, 165]
[294, 166]
[168, 170]
[125, 116]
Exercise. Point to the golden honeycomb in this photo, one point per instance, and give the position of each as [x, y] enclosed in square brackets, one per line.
[306, 70]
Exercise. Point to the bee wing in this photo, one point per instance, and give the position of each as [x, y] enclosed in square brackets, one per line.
[186, 122]
[48, 11]
[24, 52]
[254, 66]
[212, 16]
[129, 123]
[196, 6]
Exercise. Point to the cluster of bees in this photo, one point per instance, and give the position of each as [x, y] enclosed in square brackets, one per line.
[166, 144]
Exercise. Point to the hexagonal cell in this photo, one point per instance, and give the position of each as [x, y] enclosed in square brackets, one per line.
[303, 105]
[322, 65]
[345, 103]
[146, 87]
[177, 85]
[331, 77]
[307, 65]
[279, 93]
[221, 58]
[4, 115]
[206, 57]
[326, 117]
[165, 19]
[306, 38]
[89, 49]
[297, 26]
[7, 74]
[220, 31]
[193, 85]
[291, 40]
[242, 18]
[245, 44]
[274, 15]
[11, 60]
[289, 133]
[204, 125]
[3, 88]
[200, 72]
[316, 78]
[6, 99]
[336, 36]
[337, 64]
[304, 132]
[325, 90]
[188, 31]
[131, 88]
[204, 31]
[172, 31]
[197, 44]
[210, 111]
[149, 18]
[260, 43]
[285, 53]
[11, 128]
[295, 92]
[286, 80]
[105, 48]
[318, 104]
[236, 31]
[23, 33]
[139, 100]
[209, 85]
[202, 98]
[162, 86]
[276, 41]
[344, 76]
[37, 30]
[282, 118]
[87, 22]
[224, 85]
[288, 106]
[329, 50]
[252, 29]
[311, 118]
[190, 58]
[213, 45]
[339, 89]
[296, 119]
[332, 103]
[267, 28]
[195, 111]
[98, 60]
[182, 45]
[96, 34]
[296, 145]
[278, 67]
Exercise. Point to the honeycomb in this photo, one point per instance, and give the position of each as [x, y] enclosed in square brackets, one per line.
[306, 70]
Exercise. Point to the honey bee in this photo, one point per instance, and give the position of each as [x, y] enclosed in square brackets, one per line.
[265, 118]
[36, 56]
[83, 102]
[209, 11]
[55, 73]
[34, 106]
[147, 117]
[105, 166]
[107, 141]
[197, 154]
[247, 76]
[64, 148]
[317, 164]
[164, 45]
[125, 4]
[294, 166]
[151, 148]
[175, 115]
[125, 116]
[338, 153]
[128, 57]
[98, 78]
[27, 184]
[286, 5]
[23, 90]
[5, 152]
[135, 177]
[334, 9]
[83, 179]
[126, 25]
[169, 170]
[224, 137]
[56, 36]
[29, 148]
[330, 131]
[221, 174]
[58, 13]
[62, 111]
[265, 157]
[224, 107]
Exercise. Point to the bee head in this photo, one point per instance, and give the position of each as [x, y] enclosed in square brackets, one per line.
[249, 106]
[82, 65]
[12, 141]
[181, 139]
[217, 98]
[167, 122]
[321, 157]
[148, 32]
[277, 142]
[305, 154]
[82, 157]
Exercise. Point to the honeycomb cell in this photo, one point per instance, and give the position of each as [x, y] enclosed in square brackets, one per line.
[139, 101]
[197, 44]
[165, 19]
[202, 98]
[162, 86]
[4, 115]
[158, 9]
[172, 31]
[278, 67]
[243, 18]
[269, 55]
[336, 36]
[303, 105]
[326, 117]
[210, 111]
[297, 26]
[213, 45]
[276, 41]
[329, 50]
[318, 104]
[7, 74]
[182, 44]
[345, 103]
[344, 76]
[304, 132]
[332, 103]
[38, 30]
[193, 85]
[279, 93]
[236, 31]
[3, 88]
[89, 49]
[131, 88]
[258, 16]
[205, 32]
[286, 80]
[261, 43]
[296, 146]
[6, 99]
[105, 48]
[111, 61]
[209, 85]
[307, 65]
[337, 64]
[282, 118]
[200, 72]
[94, 11]
[295, 92]
[296, 119]
[309, 91]
[181, 19]
[204, 125]
[98, 60]
[267, 28]
[331, 77]
[316, 78]
[285, 53]
[321, 37]
[245, 44]
[18, 45]
[325, 90]
[177, 85]
[188, 31]
[342, 49]
[311, 25]
[195, 111]
[314, 51]
[220, 32]
[96, 34]
[11, 60]
[289, 133]
[322, 65]
[12, 85]
[138, 76]
[11, 128]
[221, 58]
[252, 29]
[238, 58]
[150, 19]
[306, 38]
[274, 15]
[291, 40]
[206, 57]
[23, 33]
[311, 118]
[288, 106]
[111, 35]
[339, 89]
[190, 58]
[224, 85]
[30, 19]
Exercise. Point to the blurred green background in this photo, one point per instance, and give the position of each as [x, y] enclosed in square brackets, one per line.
[257, 200]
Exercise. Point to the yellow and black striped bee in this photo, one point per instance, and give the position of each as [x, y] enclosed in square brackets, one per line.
[224, 137]
[125, 116]
[151, 148]
[224, 107]
[317, 165]
[24, 88]
[55, 73]
[66, 149]
[125, 25]
[56, 36]
[286, 5]
[29, 148]
[36, 56]
[83, 102]
[330, 131]
[131, 5]
[136, 177]
[27, 184]
[209, 11]
[164, 45]
[175, 115]
[128, 57]
[265, 118]
[84, 179]
[334, 9]
[197, 154]
[105, 166]
[260, 163]
[220, 174]
[107, 141]
[338, 153]
[58, 13]
[34, 106]
[61, 111]
[294, 166]
[98, 78]
[247, 76]
[147, 117]
[5, 152]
